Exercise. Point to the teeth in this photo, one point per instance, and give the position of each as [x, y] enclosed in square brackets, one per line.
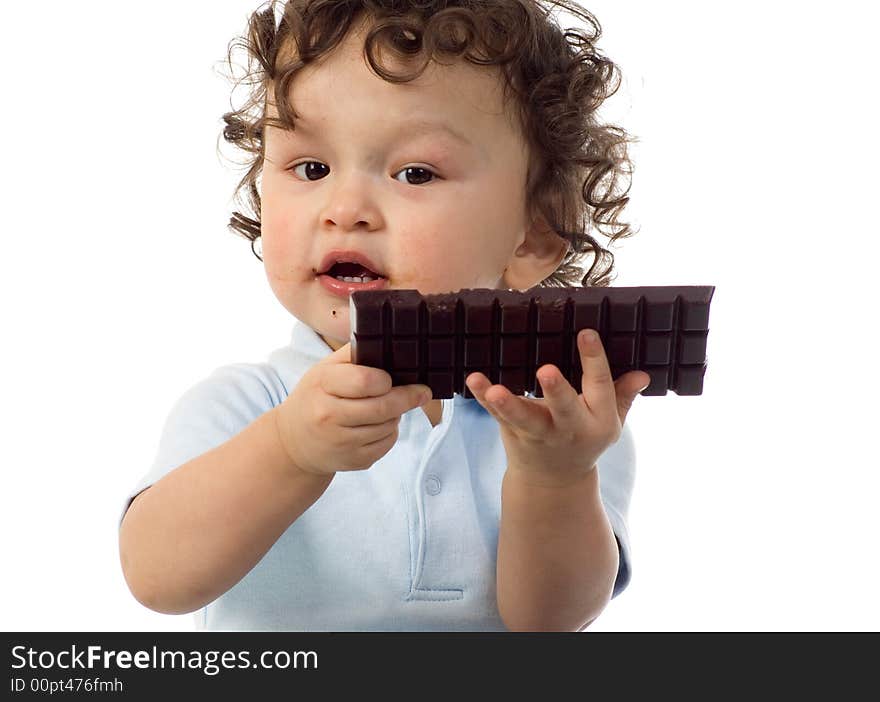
[355, 279]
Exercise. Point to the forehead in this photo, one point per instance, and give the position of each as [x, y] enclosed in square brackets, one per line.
[466, 98]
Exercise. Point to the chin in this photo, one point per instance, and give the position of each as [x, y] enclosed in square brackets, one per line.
[336, 332]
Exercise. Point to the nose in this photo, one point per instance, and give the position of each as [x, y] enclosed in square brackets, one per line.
[352, 204]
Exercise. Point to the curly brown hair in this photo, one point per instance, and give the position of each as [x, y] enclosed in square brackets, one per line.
[577, 165]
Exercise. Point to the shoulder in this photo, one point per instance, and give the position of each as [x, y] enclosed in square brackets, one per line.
[211, 411]
[230, 397]
[208, 413]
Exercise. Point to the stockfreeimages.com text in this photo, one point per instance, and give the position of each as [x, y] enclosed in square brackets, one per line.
[209, 662]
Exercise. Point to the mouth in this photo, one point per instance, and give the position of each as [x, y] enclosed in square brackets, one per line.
[343, 277]
[351, 272]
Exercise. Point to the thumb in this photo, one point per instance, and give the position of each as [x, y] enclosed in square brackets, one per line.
[340, 355]
[628, 388]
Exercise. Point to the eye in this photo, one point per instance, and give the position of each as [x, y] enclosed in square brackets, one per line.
[309, 171]
[313, 171]
[419, 174]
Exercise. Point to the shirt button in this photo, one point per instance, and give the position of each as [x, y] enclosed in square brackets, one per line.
[432, 485]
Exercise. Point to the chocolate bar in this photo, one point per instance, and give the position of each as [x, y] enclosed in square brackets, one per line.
[439, 339]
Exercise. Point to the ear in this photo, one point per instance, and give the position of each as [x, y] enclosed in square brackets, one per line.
[538, 255]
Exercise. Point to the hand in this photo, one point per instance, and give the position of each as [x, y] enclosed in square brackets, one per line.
[343, 416]
[556, 440]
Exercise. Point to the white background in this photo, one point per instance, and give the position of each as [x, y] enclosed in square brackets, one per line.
[756, 504]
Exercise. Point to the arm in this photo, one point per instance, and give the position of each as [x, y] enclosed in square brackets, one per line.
[557, 555]
[199, 530]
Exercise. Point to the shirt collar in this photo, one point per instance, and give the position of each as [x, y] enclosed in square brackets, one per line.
[308, 343]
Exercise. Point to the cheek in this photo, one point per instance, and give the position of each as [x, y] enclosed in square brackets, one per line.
[282, 254]
[276, 254]
[467, 261]
[418, 253]
[276, 248]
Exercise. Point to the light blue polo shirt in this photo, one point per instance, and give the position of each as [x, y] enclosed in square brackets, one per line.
[408, 545]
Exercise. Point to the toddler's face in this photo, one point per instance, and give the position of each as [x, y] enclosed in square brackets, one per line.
[366, 170]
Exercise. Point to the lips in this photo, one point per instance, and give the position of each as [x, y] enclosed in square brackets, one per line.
[349, 263]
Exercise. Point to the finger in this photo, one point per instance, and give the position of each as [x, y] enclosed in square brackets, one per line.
[370, 411]
[597, 384]
[355, 381]
[628, 387]
[340, 355]
[564, 403]
[352, 380]
[518, 412]
[402, 399]
[368, 433]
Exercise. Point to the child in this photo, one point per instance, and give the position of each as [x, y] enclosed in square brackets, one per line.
[307, 493]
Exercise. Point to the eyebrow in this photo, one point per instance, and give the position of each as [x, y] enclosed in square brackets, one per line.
[426, 126]
[418, 126]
